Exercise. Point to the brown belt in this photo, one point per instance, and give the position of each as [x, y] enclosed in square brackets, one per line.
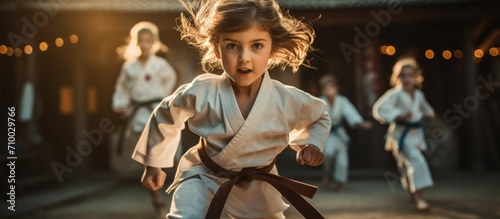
[290, 189]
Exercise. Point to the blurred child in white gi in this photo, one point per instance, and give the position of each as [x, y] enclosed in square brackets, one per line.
[404, 107]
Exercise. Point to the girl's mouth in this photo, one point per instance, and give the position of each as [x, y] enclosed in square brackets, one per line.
[244, 70]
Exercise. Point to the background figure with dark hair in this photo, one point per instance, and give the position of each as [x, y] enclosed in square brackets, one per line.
[404, 107]
[145, 79]
[336, 151]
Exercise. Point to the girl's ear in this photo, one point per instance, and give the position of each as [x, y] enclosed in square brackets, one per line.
[217, 53]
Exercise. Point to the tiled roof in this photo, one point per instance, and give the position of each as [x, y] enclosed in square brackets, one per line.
[174, 5]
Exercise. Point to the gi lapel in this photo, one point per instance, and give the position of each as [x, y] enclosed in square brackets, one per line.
[244, 129]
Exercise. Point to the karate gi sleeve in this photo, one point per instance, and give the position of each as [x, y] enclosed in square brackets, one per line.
[425, 106]
[384, 109]
[169, 77]
[160, 139]
[312, 125]
[350, 113]
[121, 96]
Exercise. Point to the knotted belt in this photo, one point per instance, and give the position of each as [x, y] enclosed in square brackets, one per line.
[406, 129]
[290, 189]
[136, 106]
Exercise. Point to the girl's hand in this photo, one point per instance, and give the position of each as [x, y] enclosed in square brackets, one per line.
[366, 125]
[430, 117]
[310, 155]
[153, 178]
[123, 112]
[405, 117]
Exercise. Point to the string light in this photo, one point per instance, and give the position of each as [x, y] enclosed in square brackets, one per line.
[458, 54]
[43, 46]
[383, 49]
[478, 53]
[493, 51]
[10, 51]
[391, 50]
[429, 54]
[3, 49]
[28, 49]
[18, 52]
[447, 54]
[59, 42]
[73, 38]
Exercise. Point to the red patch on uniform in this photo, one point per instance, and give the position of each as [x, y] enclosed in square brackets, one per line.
[148, 77]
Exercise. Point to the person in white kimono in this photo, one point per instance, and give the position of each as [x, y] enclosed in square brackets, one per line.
[145, 79]
[336, 151]
[243, 117]
[404, 107]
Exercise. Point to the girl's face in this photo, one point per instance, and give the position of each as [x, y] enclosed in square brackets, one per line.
[408, 78]
[145, 42]
[245, 54]
[330, 90]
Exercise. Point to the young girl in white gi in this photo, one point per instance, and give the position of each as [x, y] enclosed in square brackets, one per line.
[145, 79]
[404, 107]
[336, 150]
[243, 117]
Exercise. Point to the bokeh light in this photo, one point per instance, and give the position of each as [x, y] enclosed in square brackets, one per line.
[391, 50]
[478, 53]
[493, 51]
[447, 54]
[3, 49]
[28, 49]
[73, 38]
[59, 42]
[43, 46]
[458, 54]
[429, 54]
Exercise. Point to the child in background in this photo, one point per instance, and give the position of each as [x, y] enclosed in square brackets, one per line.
[336, 150]
[145, 79]
[243, 117]
[404, 107]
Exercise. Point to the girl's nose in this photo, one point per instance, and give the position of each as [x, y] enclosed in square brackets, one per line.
[244, 56]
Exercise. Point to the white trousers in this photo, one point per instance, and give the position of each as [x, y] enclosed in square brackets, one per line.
[415, 173]
[192, 198]
[336, 159]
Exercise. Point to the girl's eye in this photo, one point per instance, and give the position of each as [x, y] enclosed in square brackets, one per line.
[257, 46]
[231, 46]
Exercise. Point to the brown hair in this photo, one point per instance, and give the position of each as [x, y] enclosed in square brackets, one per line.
[291, 38]
[406, 63]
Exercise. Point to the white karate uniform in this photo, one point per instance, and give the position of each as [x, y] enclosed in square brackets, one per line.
[415, 174]
[281, 115]
[138, 83]
[336, 150]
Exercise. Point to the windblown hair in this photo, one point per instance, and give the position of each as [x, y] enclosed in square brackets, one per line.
[402, 64]
[291, 38]
[132, 50]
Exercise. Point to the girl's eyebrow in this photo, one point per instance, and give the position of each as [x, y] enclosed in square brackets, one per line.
[236, 41]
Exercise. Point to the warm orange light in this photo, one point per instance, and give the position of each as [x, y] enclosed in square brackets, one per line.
[59, 42]
[28, 49]
[43, 46]
[73, 38]
[429, 54]
[3, 49]
[92, 100]
[66, 106]
[10, 51]
[493, 51]
[390, 50]
[458, 54]
[447, 54]
[18, 52]
[478, 53]
[383, 49]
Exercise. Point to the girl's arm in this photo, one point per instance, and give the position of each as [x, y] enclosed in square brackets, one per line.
[352, 116]
[159, 140]
[385, 110]
[426, 108]
[121, 96]
[311, 130]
